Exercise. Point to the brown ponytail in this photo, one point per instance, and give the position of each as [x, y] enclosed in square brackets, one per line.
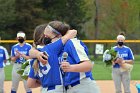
[38, 35]
[38, 38]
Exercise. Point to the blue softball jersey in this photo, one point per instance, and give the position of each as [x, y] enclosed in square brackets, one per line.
[2, 57]
[49, 74]
[22, 49]
[77, 52]
[125, 53]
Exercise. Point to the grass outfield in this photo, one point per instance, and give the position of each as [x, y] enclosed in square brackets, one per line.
[100, 72]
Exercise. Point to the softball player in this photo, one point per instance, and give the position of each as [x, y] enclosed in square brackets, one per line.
[78, 76]
[38, 38]
[126, 56]
[19, 54]
[49, 74]
[3, 57]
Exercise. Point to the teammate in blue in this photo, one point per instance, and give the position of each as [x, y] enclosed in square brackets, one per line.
[125, 56]
[3, 58]
[78, 76]
[38, 37]
[49, 74]
[19, 54]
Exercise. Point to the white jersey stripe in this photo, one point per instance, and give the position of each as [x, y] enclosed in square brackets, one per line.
[80, 50]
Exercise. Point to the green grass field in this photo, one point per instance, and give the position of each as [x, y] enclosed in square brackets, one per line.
[100, 71]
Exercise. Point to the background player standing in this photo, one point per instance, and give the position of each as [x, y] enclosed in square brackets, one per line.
[19, 54]
[125, 56]
[3, 58]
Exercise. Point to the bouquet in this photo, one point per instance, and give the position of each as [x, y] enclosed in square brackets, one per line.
[111, 55]
[25, 68]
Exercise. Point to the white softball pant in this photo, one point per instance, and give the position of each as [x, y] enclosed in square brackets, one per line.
[121, 77]
[16, 78]
[2, 77]
[86, 86]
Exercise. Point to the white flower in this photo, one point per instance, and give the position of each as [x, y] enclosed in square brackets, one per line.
[106, 56]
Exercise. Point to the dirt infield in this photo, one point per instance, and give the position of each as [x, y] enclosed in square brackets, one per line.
[106, 86]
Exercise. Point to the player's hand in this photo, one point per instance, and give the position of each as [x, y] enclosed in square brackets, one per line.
[119, 60]
[42, 58]
[66, 67]
[71, 33]
[18, 54]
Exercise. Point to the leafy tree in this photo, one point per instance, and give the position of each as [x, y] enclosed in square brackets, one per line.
[25, 15]
[28, 15]
[114, 16]
[71, 11]
[7, 17]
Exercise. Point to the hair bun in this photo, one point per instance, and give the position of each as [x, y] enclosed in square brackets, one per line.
[122, 33]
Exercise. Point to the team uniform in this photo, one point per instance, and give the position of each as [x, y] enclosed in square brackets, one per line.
[17, 66]
[118, 76]
[78, 82]
[3, 56]
[50, 74]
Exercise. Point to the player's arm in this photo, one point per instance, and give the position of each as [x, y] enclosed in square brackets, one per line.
[6, 60]
[84, 66]
[131, 57]
[34, 53]
[14, 58]
[57, 46]
[33, 83]
[122, 61]
[128, 61]
[6, 56]
[6, 53]
[25, 56]
[79, 54]
[69, 35]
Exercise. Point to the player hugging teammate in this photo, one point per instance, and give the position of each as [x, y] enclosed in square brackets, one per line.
[48, 75]
[78, 77]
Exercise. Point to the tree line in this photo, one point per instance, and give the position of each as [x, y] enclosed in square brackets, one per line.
[94, 19]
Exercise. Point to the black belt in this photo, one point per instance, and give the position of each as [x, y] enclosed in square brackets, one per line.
[72, 85]
[51, 88]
